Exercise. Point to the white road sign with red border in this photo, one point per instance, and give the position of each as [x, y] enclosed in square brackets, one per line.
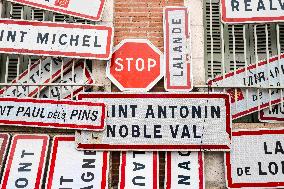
[275, 114]
[56, 39]
[87, 9]
[69, 168]
[184, 170]
[25, 162]
[177, 39]
[52, 113]
[139, 170]
[256, 159]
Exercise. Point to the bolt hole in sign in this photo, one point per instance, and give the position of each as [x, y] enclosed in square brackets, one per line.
[177, 38]
[52, 113]
[87, 9]
[247, 11]
[139, 170]
[136, 65]
[184, 170]
[256, 159]
[69, 168]
[56, 39]
[26, 162]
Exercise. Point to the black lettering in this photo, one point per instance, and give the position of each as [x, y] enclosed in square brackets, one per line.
[42, 39]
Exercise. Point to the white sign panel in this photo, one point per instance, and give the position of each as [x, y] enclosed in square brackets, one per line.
[256, 159]
[161, 121]
[265, 74]
[50, 70]
[177, 38]
[55, 39]
[87, 9]
[273, 115]
[69, 168]
[184, 170]
[25, 162]
[247, 11]
[139, 170]
[82, 75]
[52, 113]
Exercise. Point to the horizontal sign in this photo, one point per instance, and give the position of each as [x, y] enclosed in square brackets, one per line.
[184, 170]
[256, 159]
[50, 70]
[239, 11]
[87, 9]
[90, 168]
[177, 38]
[82, 75]
[161, 121]
[273, 115]
[52, 113]
[55, 39]
[25, 162]
[139, 170]
[246, 101]
[4, 142]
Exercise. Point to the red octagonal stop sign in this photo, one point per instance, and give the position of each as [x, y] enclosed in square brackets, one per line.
[136, 65]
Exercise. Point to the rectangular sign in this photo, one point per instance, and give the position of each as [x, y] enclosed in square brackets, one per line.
[82, 75]
[55, 39]
[273, 115]
[34, 76]
[161, 122]
[91, 167]
[256, 159]
[239, 11]
[139, 170]
[52, 113]
[246, 101]
[87, 9]
[184, 170]
[4, 143]
[177, 38]
[25, 162]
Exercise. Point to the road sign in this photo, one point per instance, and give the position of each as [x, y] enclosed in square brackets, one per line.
[4, 142]
[132, 60]
[177, 40]
[139, 170]
[184, 170]
[82, 75]
[237, 11]
[55, 39]
[34, 76]
[25, 162]
[87, 9]
[161, 122]
[246, 101]
[52, 113]
[273, 115]
[256, 159]
[91, 168]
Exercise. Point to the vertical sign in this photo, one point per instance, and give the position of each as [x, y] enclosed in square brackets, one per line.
[4, 142]
[25, 162]
[256, 159]
[177, 49]
[69, 168]
[139, 170]
[184, 170]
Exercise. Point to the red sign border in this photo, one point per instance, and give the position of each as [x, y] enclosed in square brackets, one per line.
[227, 157]
[189, 85]
[105, 56]
[43, 158]
[155, 170]
[168, 170]
[56, 125]
[52, 160]
[226, 20]
[63, 11]
[269, 119]
[160, 147]
[3, 150]
[241, 70]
